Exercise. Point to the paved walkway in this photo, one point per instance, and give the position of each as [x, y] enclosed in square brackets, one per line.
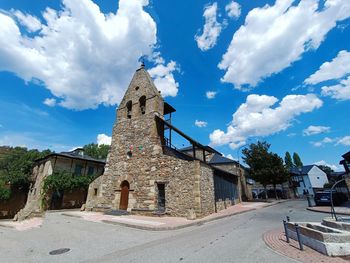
[165, 222]
[23, 225]
[327, 209]
[143, 222]
[276, 240]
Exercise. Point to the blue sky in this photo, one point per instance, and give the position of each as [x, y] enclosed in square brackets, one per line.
[236, 71]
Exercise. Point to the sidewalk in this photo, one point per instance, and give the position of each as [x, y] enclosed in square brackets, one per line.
[142, 222]
[166, 223]
[341, 210]
[276, 240]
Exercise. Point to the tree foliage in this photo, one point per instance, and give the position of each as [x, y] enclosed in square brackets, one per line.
[265, 167]
[5, 192]
[96, 151]
[297, 161]
[63, 180]
[288, 161]
[328, 170]
[16, 167]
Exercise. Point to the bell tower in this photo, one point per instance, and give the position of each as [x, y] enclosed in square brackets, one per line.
[136, 139]
[141, 98]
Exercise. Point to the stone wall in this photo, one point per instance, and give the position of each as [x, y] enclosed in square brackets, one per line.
[136, 156]
[207, 195]
[143, 169]
[34, 200]
[37, 202]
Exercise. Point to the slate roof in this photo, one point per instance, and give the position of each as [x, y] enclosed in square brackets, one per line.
[219, 159]
[304, 170]
[207, 148]
[75, 155]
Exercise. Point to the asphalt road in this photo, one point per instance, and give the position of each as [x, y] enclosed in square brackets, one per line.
[233, 239]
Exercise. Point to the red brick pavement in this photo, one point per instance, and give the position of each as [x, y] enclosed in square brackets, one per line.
[276, 240]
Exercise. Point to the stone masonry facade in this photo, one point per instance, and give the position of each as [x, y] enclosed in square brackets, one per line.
[137, 159]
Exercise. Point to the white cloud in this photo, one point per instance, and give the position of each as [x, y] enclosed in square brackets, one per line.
[344, 141]
[273, 37]
[233, 9]
[326, 140]
[336, 69]
[83, 56]
[51, 102]
[211, 30]
[32, 23]
[312, 130]
[164, 78]
[200, 124]
[257, 117]
[334, 167]
[104, 139]
[340, 91]
[210, 94]
[338, 140]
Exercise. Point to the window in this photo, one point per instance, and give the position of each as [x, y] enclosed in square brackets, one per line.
[161, 197]
[142, 102]
[129, 109]
[78, 169]
[129, 154]
[90, 170]
[95, 191]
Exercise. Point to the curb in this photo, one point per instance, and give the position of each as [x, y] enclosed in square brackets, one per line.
[326, 212]
[196, 223]
[7, 226]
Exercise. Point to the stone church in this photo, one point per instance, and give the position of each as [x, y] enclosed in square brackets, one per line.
[146, 174]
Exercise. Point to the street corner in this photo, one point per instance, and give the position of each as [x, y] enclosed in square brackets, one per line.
[275, 239]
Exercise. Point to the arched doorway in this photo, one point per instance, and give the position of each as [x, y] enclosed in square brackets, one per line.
[124, 195]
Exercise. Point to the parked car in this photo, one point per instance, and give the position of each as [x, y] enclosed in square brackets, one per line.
[271, 194]
[324, 198]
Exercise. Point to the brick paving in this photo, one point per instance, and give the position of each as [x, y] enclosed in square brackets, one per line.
[276, 240]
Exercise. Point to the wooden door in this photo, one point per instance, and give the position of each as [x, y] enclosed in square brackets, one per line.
[124, 198]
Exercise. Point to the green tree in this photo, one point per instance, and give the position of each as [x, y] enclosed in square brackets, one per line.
[288, 161]
[96, 151]
[264, 167]
[297, 161]
[279, 173]
[328, 170]
[16, 167]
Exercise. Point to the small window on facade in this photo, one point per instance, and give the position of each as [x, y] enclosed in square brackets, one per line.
[129, 109]
[78, 170]
[95, 191]
[90, 170]
[142, 102]
[129, 154]
[137, 87]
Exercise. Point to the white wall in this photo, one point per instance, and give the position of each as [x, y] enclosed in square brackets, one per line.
[317, 177]
[307, 186]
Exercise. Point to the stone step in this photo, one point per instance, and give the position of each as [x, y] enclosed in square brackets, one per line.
[117, 212]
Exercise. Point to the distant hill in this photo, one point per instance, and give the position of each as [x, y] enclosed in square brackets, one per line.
[4, 150]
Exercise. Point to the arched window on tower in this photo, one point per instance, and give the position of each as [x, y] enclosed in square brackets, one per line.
[128, 109]
[142, 102]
